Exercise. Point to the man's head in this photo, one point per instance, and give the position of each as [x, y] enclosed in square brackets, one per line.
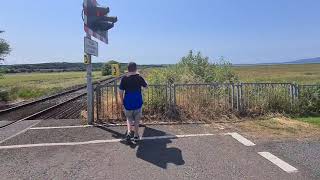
[132, 67]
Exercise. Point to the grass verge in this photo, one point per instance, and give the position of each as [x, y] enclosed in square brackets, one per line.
[312, 120]
[279, 127]
[26, 86]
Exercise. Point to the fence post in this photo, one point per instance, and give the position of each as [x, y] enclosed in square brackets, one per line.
[98, 101]
[232, 96]
[172, 99]
[116, 96]
[170, 94]
[292, 93]
[297, 91]
[174, 95]
[238, 97]
[241, 98]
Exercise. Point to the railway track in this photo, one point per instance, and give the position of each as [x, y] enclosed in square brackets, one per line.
[64, 105]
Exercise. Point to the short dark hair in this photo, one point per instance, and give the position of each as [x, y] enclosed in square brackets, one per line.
[132, 67]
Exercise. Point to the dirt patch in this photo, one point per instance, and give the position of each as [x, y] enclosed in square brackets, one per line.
[278, 128]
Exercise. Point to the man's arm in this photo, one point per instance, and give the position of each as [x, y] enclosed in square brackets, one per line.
[121, 97]
[121, 91]
[144, 83]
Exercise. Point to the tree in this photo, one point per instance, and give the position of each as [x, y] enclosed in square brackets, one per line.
[4, 48]
[106, 69]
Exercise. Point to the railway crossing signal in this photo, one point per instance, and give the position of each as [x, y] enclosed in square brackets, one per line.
[96, 20]
[96, 24]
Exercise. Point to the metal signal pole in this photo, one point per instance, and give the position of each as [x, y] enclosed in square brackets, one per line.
[96, 24]
[89, 89]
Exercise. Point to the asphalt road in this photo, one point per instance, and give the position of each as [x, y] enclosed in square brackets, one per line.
[213, 155]
[303, 153]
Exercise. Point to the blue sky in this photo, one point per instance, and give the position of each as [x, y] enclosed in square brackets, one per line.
[162, 31]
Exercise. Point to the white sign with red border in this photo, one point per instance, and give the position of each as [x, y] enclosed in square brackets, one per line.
[91, 47]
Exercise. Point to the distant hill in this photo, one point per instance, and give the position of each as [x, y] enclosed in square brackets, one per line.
[305, 61]
[300, 61]
[59, 67]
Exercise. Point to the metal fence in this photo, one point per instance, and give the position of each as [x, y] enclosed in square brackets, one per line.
[108, 106]
[214, 98]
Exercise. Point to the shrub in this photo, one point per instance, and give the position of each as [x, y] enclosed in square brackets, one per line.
[106, 69]
[309, 101]
[2, 72]
[194, 68]
[4, 95]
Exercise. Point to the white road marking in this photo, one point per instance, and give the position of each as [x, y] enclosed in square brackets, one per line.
[241, 139]
[277, 161]
[193, 135]
[100, 141]
[175, 136]
[20, 132]
[61, 127]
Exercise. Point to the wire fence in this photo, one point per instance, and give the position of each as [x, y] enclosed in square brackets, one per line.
[194, 100]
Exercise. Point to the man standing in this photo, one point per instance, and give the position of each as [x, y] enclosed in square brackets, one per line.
[131, 98]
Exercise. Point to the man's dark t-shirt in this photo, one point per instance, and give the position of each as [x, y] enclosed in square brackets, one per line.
[132, 87]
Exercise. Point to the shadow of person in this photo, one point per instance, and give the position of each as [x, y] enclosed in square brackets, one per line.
[156, 152]
[118, 135]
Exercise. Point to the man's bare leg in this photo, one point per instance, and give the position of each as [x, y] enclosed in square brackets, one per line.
[136, 128]
[128, 126]
[138, 116]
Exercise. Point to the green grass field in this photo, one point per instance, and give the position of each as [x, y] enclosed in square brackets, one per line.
[33, 85]
[311, 120]
[301, 74]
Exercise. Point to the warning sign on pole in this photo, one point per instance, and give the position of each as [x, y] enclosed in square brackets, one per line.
[90, 47]
[87, 59]
[115, 70]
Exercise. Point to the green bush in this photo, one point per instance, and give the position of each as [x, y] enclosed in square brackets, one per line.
[106, 69]
[193, 68]
[2, 72]
[4, 95]
[309, 101]
[278, 102]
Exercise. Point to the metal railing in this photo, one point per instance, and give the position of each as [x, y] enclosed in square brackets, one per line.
[161, 100]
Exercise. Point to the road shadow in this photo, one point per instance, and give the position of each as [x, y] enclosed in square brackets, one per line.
[156, 152]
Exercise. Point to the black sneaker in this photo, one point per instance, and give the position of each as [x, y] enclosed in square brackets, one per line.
[129, 136]
[136, 139]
